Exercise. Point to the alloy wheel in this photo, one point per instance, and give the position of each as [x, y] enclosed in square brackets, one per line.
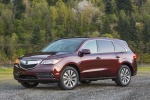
[70, 78]
[125, 75]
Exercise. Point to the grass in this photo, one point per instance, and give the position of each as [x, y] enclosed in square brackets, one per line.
[144, 70]
[7, 73]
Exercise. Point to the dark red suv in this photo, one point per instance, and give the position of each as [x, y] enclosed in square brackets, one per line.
[67, 61]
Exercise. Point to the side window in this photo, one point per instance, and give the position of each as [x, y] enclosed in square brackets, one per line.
[105, 46]
[118, 47]
[91, 45]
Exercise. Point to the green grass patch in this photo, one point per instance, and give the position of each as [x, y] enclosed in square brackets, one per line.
[5, 70]
[6, 73]
[144, 69]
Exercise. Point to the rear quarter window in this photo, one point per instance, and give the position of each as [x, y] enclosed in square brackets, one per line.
[118, 47]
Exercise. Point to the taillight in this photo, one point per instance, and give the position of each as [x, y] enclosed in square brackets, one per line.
[135, 56]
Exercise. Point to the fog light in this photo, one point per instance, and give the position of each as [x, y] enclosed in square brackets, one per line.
[17, 66]
[16, 74]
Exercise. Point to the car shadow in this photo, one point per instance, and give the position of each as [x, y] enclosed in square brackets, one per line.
[54, 86]
[79, 86]
[97, 84]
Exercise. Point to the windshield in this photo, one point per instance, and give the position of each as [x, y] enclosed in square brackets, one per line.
[65, 45]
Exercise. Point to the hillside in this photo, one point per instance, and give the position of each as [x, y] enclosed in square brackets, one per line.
[27, 25]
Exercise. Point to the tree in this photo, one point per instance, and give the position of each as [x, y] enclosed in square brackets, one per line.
[109, 9]
[125, 5]
[51, 2]
[123, 26]
[106, 28]
[5, 1]
[54, 15]
[139, 3]
[36, 39]
[11, 46]
[146, 29]
[133, 30]
[18, 9]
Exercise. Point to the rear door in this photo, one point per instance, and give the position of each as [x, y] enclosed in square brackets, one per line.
[109, 58]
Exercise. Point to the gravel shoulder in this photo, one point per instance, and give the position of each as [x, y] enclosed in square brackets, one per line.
[138, 89]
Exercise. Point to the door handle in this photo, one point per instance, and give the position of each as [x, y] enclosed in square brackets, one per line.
[98, 58]
[117, 57]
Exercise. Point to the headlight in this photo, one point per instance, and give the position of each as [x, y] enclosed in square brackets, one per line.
[51, 61]
[17, 61]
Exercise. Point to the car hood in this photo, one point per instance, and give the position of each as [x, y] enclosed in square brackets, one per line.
[44, 55]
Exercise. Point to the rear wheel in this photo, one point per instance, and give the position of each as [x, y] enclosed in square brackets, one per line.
[69, 78]
[124, 76]
[29, 84]
[85, 82]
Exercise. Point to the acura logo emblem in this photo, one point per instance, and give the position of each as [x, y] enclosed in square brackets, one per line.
[26, 62]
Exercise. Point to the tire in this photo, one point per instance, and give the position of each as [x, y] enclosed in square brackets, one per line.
[29, 84]
[85, 82]
[124, 76]
[69, 78]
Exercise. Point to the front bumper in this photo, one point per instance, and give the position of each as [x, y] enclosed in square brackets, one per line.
[40, 73]
[52, 80]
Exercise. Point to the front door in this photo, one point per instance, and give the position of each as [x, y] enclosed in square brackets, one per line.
[90, 63]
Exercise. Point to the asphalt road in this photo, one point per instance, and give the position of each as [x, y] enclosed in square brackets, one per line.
[138, 89]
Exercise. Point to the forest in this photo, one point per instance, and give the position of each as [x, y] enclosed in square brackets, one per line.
[28, 25]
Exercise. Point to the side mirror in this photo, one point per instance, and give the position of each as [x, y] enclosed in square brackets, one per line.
[85, 51]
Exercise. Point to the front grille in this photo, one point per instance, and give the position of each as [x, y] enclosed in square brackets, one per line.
[45, 75]
[28, 66]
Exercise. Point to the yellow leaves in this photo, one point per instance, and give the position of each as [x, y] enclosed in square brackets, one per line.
[107, 35]
[12, 47]
[39, 9]
[54, 13]
[6, 14]
[95, 34]
[14, 38]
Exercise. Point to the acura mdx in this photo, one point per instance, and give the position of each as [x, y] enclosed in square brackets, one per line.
[72, 60]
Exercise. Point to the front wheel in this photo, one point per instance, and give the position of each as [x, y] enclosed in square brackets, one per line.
[124, 76]
[29, 84]
[69, 78]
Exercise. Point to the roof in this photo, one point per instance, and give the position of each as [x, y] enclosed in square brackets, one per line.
[89, 38]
